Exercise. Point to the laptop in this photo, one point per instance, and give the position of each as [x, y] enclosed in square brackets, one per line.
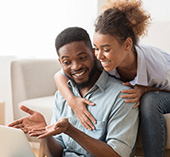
[13, 143]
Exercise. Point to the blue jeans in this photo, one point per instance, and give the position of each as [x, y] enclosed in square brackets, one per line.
[153, 125]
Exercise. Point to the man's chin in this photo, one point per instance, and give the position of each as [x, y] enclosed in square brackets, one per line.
[82, 84]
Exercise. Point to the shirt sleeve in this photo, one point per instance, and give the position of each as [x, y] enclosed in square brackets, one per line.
[122, 128]
[55, 117]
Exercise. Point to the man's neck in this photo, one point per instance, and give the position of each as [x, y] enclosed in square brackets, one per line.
[84, 90]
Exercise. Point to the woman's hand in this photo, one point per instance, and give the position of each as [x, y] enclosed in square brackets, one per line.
[134, 94]
[79, 106]
[54, 129]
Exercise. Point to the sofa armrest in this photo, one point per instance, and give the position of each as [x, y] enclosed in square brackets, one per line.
[32, 78]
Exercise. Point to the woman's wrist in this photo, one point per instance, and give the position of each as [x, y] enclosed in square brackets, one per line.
[70, 99]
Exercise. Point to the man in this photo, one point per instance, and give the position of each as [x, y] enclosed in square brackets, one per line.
[117, 123]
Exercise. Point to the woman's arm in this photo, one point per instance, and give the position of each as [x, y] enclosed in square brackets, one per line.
[76, 103]
[61, 83]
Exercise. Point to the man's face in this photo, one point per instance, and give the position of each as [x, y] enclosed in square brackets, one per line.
[77, 61]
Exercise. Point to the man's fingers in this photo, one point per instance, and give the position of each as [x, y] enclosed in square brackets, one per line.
[43, 135]
[27, 110]
[15, 123]
[37, 133]
[38, 129]
[18, 126]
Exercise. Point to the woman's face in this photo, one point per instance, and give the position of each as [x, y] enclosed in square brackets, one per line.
[109, 51]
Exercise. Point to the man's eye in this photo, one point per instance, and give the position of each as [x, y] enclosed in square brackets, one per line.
[66, 62]
[83, 57]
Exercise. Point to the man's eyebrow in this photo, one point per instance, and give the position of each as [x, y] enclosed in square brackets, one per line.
[64, 57]
[81, 53]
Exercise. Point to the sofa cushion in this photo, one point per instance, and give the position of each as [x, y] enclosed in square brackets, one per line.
[44, 105]
[167, 117]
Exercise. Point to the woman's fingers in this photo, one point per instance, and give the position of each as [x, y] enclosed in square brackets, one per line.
[137, 104]
[88, 102]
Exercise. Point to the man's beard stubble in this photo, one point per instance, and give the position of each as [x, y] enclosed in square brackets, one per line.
[88, 82]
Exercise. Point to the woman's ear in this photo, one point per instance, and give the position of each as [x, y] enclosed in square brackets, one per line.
[128, 44]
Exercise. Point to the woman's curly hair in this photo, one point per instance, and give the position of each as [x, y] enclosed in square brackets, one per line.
[123, 19]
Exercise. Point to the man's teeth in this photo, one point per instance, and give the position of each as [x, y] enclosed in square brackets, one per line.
[79, 74]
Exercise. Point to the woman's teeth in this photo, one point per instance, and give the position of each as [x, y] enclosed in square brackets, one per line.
[105, 63]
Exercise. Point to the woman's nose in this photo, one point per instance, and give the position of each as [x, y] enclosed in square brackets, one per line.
[100, 55]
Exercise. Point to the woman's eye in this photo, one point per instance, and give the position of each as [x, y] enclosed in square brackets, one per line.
[106, 50]
[96, 49]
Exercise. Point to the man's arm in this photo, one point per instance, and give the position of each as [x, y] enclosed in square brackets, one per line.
[91, 145]
[52, 147]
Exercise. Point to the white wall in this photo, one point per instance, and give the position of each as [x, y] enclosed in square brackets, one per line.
[5, 85]
[29, 29]
[159, 30]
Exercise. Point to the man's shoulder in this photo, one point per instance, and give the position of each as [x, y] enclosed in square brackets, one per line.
[116, 83]
[113, 83]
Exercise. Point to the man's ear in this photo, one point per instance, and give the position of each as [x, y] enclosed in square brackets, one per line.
[94, 53]
[59, 60]
[128, 44]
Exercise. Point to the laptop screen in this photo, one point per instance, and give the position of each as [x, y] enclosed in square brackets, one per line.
[13, 143]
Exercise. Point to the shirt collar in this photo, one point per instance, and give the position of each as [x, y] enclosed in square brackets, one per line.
[141, 77]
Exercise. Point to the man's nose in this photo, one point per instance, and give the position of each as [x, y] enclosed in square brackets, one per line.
[76, 66]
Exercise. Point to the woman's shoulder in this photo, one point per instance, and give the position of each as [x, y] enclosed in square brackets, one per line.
[153, 53]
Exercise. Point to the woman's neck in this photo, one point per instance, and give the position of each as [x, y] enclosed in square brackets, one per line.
[128, 71]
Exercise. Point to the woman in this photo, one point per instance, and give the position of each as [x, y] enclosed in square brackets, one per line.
[146, 69]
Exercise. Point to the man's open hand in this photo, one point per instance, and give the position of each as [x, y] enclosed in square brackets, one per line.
[34, 120]
[54, 129]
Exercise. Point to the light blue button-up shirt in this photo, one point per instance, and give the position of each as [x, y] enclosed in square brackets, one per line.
[153, 67]
[117, 122]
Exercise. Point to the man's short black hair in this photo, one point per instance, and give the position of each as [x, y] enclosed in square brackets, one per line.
[72, 34]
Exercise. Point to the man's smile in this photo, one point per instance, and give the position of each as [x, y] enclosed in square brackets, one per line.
[79, 74]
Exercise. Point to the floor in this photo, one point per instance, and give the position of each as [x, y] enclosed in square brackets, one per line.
[35, 147]
[35, 152]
